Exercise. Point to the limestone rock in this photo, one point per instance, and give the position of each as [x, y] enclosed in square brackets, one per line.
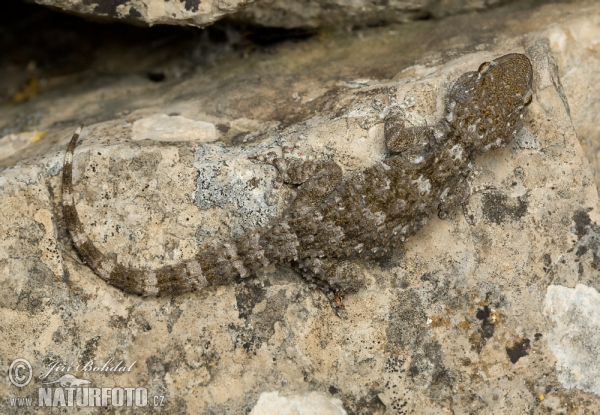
[575, 340]
[272, 13]
[344, 13]
[576, 44]
[189, 12]
[314, 403]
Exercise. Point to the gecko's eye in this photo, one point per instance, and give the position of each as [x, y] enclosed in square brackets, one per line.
[483, 67]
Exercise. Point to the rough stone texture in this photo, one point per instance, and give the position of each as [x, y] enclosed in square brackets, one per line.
[294, 13]
[314, 403]
[452, 323]
[185, 12]
[272, 13]
[162, 127]
[576, 44]
[575, 338]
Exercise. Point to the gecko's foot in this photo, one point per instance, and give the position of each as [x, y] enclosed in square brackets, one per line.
[341, 278]
[335, 296]
[337, 304]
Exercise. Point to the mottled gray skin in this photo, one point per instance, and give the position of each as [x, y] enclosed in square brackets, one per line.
[334, 219]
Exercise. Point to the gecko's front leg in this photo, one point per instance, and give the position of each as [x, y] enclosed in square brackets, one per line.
[334, 278]
[414, 144]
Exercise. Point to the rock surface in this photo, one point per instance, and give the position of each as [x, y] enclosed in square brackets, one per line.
[271, 13]
[575, 339]
[345, 13]
[189, 12]
[314, 403]
[466, 319]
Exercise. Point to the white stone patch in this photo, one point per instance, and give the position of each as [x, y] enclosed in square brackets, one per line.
[312, 403]
[162, 127]
[526, 139]
[575, 337]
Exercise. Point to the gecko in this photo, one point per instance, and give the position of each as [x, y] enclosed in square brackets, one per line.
[335, 219]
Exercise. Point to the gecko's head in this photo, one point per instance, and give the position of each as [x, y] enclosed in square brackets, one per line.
[506, 88]
[486, 107]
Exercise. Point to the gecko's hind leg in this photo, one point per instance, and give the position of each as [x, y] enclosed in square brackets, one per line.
[460, 197]
[315, 179]
[336, 279]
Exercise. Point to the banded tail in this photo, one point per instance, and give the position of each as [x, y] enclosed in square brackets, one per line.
[215, 265]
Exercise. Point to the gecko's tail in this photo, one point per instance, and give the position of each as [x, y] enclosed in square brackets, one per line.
[180, 278]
